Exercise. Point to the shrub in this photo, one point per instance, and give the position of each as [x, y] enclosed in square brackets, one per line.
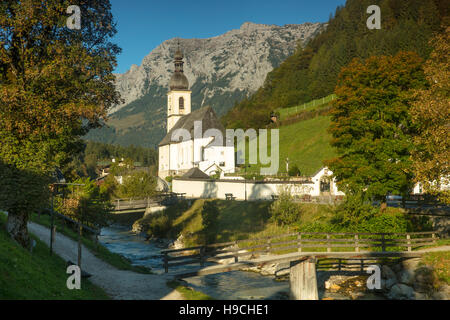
[159, 226]
[210, 214]
[285, 211]
[353, 212]
[294, 171]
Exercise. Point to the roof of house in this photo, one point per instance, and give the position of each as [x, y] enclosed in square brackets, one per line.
[209, 121]
[195, 173]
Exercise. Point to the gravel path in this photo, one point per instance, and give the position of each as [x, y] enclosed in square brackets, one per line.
[119, 284]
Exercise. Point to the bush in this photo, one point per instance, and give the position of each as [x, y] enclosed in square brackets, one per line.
[210, 214]
[285, 211]
[294, 171]
[353, 212]
[159, 226]
[385, 222]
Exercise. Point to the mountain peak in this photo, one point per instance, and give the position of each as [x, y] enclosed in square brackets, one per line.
[221, 70]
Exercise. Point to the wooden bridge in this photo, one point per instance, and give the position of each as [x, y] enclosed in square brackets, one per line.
[142, 204]
[301, 250]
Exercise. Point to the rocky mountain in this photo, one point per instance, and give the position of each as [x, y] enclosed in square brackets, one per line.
[221, 70]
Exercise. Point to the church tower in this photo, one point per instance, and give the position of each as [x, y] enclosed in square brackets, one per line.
[179, 96]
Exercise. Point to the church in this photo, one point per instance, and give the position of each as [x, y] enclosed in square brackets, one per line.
[201, 150]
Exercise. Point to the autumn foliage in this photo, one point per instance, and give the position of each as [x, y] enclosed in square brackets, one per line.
[372, 127]
[431, 115]
[56, 84]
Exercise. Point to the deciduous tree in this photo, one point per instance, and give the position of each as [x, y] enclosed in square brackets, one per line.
[56, 84]
[431, 115]
[371, 125]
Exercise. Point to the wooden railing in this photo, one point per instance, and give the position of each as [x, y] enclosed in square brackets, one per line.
[299, 242]
[127, 204]
[161, 198]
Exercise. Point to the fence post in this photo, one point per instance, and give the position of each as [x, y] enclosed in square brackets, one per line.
[409, 242]
[166, 263]
[328, 242]
[299, 237]
[433, 235]
[118, 204]
[202, 252]
[383, 243]
[53, 233]
[236, 251]
[269, 246]
[79, 243]
[96, 240]
[356, 243]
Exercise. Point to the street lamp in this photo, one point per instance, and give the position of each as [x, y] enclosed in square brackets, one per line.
[245, 180]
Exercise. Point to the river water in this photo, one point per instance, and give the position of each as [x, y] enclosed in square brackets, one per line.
[236, 285]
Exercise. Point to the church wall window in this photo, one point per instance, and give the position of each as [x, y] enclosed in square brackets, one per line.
[181, 104]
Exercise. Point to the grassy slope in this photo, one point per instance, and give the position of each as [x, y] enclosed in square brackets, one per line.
[306, 144]
[38, 275]
[286, 112]
[236, 220]
[440, 261]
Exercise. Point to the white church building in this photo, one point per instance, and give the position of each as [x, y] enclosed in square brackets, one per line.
[191, 140]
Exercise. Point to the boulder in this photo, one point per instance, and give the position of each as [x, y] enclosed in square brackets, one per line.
[420, 296]
[441, 295]
[406, 277]
[423, 280]
[388, 283]
[270, 269]
[179, 243]
[401, 292]
[411, 264]
[387, 272]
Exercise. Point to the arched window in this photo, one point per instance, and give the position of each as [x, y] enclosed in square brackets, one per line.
[181, 103]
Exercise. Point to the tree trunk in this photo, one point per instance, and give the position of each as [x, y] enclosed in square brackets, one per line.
[17, 227]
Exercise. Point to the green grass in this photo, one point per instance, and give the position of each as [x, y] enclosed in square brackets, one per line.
[305, 143]
[237, 220]
[187, 292]
[286, 112]
[440, 261]
[37, 275]
[98, 250]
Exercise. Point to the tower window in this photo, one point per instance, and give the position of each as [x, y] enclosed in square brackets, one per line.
[181, 103]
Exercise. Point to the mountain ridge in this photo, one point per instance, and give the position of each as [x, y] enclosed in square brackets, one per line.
[221, 70]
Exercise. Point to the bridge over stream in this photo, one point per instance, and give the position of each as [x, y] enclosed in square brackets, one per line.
[302, 251]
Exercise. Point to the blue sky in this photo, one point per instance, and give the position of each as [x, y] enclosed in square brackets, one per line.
[144, 24]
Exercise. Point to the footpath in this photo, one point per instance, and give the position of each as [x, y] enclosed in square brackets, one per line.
[118, 284]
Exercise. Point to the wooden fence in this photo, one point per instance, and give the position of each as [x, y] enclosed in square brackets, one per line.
[313, 242]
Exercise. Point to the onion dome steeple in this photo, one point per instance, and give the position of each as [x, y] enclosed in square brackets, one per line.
[178, 80]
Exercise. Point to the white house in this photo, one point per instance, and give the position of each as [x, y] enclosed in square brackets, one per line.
[195, 184]
[200, 149]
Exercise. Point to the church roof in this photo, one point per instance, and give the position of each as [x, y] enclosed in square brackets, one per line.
[209, 121]
[195, 173]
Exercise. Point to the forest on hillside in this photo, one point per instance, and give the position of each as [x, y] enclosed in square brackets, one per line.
[93, 154]
[312, 72]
